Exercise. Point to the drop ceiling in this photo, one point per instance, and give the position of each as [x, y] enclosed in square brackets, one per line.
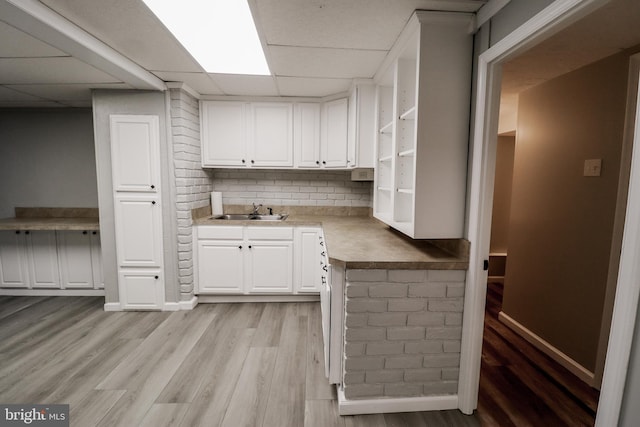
[314, 48]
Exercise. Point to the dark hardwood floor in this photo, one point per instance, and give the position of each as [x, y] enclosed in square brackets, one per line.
[521, 386]
[241, 365]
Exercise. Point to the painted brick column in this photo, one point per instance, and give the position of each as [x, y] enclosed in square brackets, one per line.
[193, 184]
[403, 332]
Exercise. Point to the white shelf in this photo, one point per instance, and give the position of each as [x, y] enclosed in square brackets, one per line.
[406, 153]
[410, 114]
[385, 159]
[386, 128]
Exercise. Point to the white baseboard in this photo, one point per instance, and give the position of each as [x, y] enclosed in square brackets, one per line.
[394, 404]
[189, 305]
[171, 306]
[112, 306]
[203, 299]
[52, 292]
[574, 367]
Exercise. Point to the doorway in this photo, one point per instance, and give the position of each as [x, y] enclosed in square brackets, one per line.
[483, 160]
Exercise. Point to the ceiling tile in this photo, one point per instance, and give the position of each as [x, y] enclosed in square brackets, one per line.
[66, 92]
[300, 86]
[10, 95]
[324, 62]
[359, 24]
[17, 44]
[129, 27]
[240, 84]
[49, 71]
[200, 82]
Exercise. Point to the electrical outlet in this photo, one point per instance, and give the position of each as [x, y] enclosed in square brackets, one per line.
[592, 167]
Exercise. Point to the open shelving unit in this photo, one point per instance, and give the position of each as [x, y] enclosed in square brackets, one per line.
[423, 121]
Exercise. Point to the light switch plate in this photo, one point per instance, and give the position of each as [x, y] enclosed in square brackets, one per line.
[592, 167]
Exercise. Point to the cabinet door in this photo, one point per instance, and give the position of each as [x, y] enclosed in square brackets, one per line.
[141, 289]
[96, 261]
[335, 134]
[13, 260]
[224, 136]
[270, 267]
[138, 231]
[271, 140]
[308, 262]
[43, 259]
[306, 131]
[74, 252]
[220, 266]
[135, 147]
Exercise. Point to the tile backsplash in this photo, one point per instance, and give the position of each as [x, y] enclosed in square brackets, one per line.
[291, 188]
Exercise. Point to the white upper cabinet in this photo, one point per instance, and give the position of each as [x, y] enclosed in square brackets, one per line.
[271, 138]
[306, 131]
[134, 153]
[224, 133]
[285, 135]
[240, 134]
[362, 125]
[334, 134]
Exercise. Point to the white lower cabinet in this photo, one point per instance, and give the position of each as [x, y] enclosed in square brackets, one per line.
[140, 289]
[309, 252]
[220, 266]
[269, 266]
[74, 253]
[44, 259]
[14, 271]
[244, 260]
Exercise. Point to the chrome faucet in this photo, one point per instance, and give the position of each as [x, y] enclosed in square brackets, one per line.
[256, 209]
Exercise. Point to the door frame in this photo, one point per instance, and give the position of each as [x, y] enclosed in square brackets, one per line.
[549, 21]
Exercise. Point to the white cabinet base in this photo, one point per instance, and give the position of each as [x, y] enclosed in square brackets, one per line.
[141, 290]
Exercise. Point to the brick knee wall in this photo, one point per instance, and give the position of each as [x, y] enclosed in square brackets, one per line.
[403, 332]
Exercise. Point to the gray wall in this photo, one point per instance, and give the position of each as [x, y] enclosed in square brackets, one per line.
[132, 102]
[47, 159]
[561, 223]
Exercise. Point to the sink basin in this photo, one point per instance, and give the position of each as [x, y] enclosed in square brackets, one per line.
[244, 217]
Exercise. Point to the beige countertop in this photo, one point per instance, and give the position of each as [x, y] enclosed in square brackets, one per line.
[52, 219]
[360, 242]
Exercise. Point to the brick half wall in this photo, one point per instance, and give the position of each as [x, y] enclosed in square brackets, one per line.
[403, 332]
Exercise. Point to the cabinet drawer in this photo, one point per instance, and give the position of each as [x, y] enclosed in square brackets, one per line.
[270, 233]
[220, 232]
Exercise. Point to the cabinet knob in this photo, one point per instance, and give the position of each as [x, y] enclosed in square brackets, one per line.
[252, 161]
[94, 233]
[84, 232]
[242, 160]
[153, 186]
[317, 162]
[249, 246]
[324, 162]
[240, 247]
[153, 202]
[156, 277]
[17, 231]
[26, 232]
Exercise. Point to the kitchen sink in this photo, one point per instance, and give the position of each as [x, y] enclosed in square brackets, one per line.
[241, 217]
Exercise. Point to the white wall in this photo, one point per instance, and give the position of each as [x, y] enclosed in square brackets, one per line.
[47, 159]
[291, 188]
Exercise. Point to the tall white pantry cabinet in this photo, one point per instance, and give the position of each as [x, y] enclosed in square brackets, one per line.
[135, 160]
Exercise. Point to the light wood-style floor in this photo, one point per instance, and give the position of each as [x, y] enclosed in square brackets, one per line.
[218, 365]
